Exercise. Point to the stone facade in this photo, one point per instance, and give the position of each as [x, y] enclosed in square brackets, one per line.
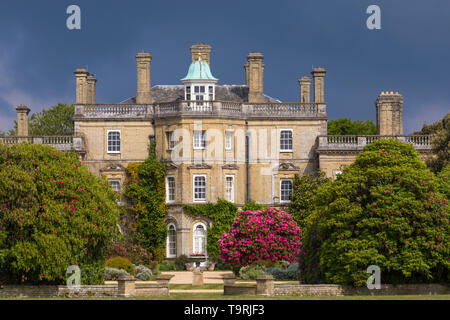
[242, 145]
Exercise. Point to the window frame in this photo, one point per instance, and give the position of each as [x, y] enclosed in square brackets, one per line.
[292, 140]
[168, 200]
[193, 187]
[168, 253]
[170, 140]
[205, 239]
[281, 185]
[202, 140]
[232, 187]
[120, 186]
[107, 141]
[229, 135]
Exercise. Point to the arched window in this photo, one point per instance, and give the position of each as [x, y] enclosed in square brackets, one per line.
[199, 238]
[171, 241]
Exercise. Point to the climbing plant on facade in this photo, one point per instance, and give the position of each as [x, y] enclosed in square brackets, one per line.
[146, 190]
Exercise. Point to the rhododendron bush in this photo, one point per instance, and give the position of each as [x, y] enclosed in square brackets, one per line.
[265, 235]
[385, 210]
[53, 213]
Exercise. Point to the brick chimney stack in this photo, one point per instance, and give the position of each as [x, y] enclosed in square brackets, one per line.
[22, 120]
[305, 89]
[319, 84]
[201, 50]
[389, 106]
[254, 71]
[81, 76]
[143, 95]
[91, 82]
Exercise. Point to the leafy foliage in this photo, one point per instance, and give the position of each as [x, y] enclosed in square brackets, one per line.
[444, 181]
[288, 274]
[120, 263]
[304, 190]
[250, 272]
[269, 235]
[146, 190]
[345, 126]
[440, 142]
[181, 261]
[384, 210]
[143, 273]
[167, 265]
[253, 206]
[55, 121]
[133, 252]
[112, 274]
[53, 213]
[222, 213]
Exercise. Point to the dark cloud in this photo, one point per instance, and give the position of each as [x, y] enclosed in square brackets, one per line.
[409, 54]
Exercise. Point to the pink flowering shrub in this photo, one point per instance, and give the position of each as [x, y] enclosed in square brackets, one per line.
[269, 235]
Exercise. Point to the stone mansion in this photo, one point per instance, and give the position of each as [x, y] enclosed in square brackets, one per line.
[219, 141]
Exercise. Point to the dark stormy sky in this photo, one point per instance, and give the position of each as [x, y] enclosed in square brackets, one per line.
[410, 54]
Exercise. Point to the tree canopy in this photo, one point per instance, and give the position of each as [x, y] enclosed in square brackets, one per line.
[53, 213]
[440, 141]
[386, 210]
[345, 126]
[55, 121]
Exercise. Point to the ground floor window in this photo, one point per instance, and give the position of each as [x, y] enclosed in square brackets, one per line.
[199, 238]
[115, 185]
[285, 190]
[171, 241]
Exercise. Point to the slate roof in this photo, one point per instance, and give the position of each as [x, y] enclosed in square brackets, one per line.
[167, 93]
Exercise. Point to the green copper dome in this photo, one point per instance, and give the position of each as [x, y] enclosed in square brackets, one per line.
[199, 70]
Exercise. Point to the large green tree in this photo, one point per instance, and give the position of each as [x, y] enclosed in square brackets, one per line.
[55, 121]
[440, 141]
[304, 190]
[53, 213]
[147, 192]
[385, 210]
[345, 126]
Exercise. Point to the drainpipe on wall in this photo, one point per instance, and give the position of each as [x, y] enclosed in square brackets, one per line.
[247, 162]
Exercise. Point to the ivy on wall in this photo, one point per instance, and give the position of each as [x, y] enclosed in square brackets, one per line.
[222, 214]
[146, 190]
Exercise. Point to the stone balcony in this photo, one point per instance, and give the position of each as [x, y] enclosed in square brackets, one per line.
[329, 144]
[220, 109]
[63, 143]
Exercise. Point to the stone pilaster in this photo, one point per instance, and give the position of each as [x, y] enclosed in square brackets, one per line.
[389, 106]
[254, 70]
[143, 95]
[319, 84]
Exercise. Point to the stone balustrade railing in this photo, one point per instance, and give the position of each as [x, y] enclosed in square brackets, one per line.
[65, 143]
[121, 110]
[203, 108]
[351, 142]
